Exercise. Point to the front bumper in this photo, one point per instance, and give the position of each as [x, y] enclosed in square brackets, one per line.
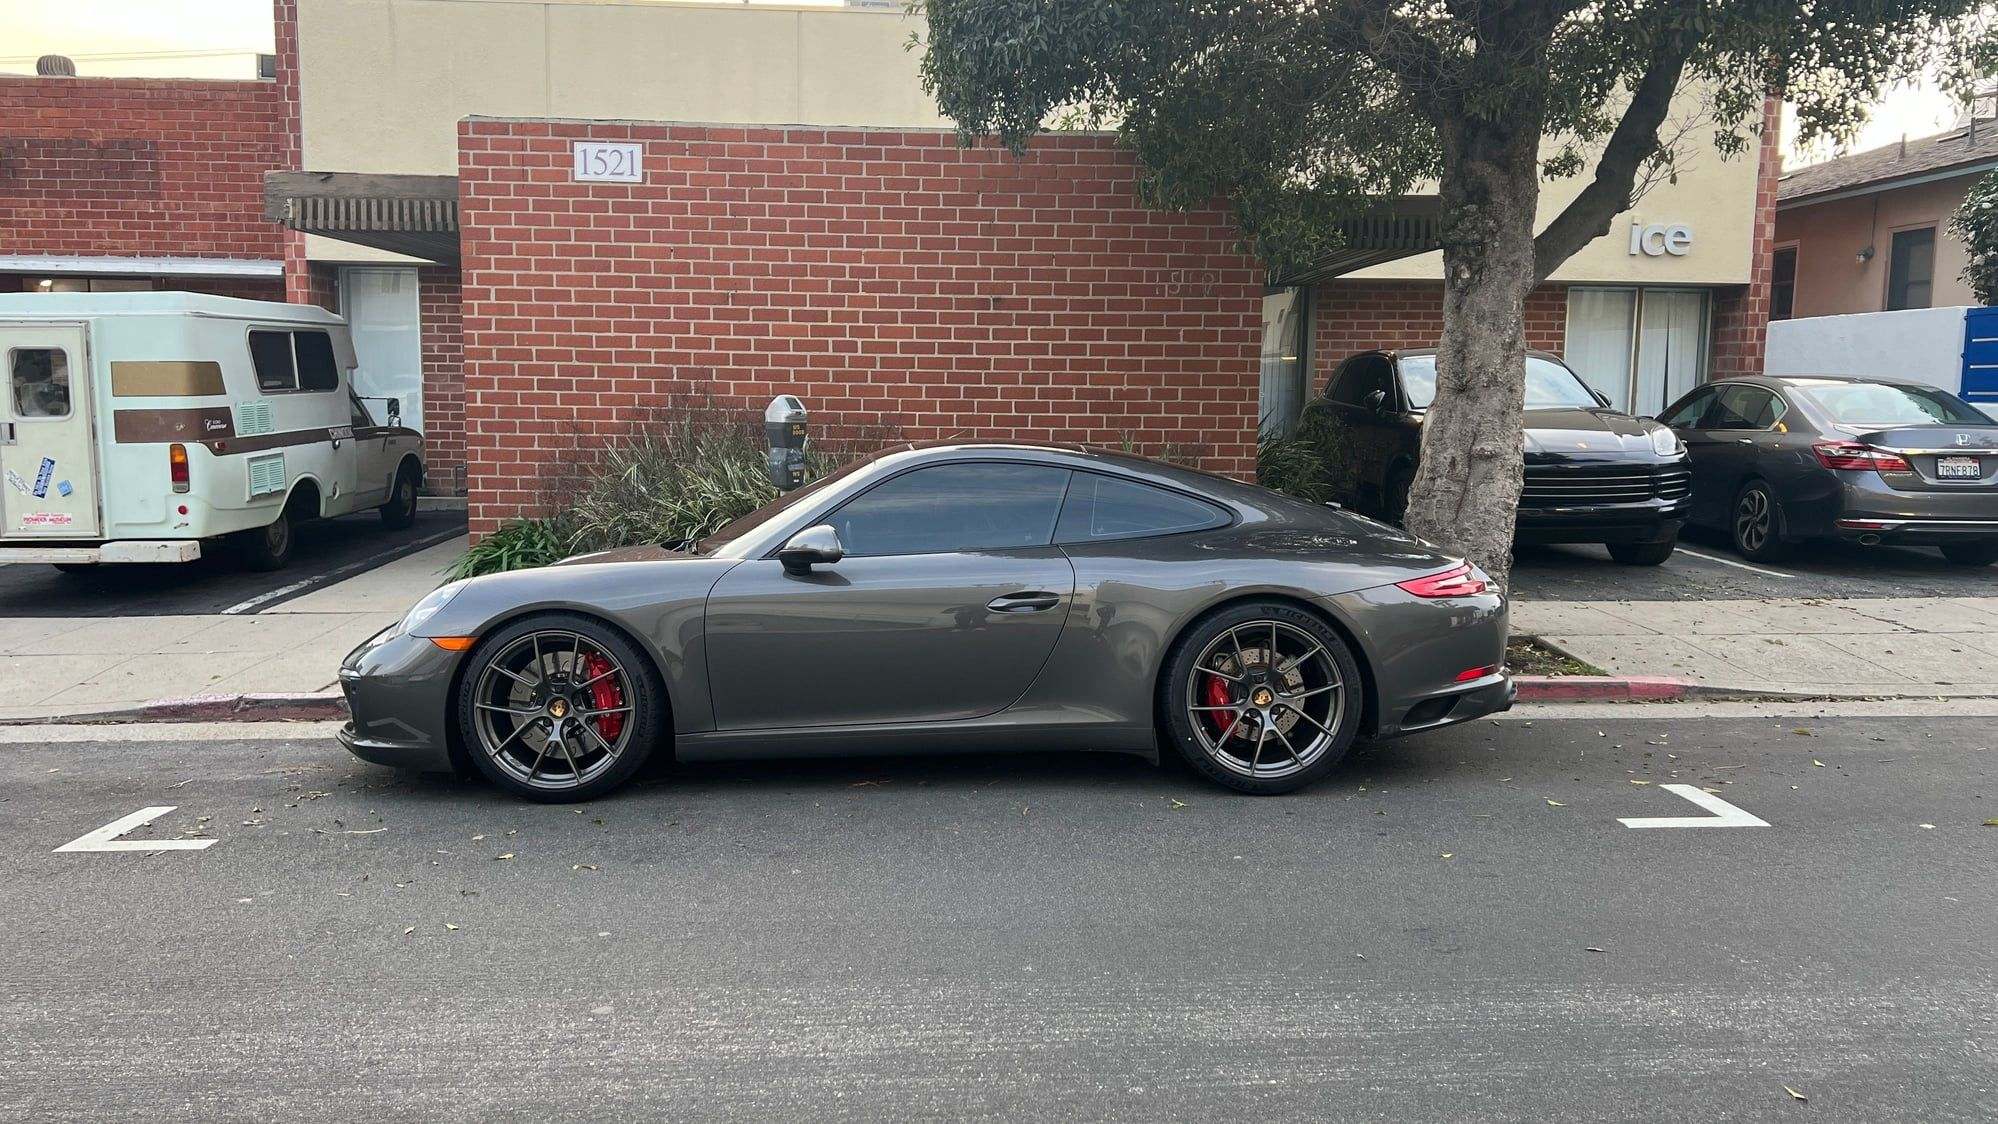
[398, 690]
[1648, 521]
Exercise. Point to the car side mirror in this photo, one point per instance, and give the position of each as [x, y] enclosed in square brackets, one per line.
[1601, 398]
[813, 546]
[394, 410]
[1377, 401]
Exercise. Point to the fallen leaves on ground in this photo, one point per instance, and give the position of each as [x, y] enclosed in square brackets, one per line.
[1555, 804]
[1795, 1095]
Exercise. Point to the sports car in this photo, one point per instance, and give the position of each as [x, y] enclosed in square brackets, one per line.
[949, 597]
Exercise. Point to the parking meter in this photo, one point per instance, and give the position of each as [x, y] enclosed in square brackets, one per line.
[784, 428]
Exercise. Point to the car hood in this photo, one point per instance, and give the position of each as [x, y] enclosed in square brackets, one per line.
[1577, 433]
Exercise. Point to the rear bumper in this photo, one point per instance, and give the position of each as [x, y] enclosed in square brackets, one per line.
[1416, 648]
[1868, 507]
[92, 554]
[1915, 531]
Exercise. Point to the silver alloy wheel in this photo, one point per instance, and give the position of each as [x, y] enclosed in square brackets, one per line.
[1265, 699]
[1751, 520]
[277, 535]
[542, 707]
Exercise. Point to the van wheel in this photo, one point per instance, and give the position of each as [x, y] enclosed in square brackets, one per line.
[400, 510]
[270, 548]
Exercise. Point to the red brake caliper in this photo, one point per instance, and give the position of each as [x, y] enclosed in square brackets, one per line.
[604, 695]
[1216, 694]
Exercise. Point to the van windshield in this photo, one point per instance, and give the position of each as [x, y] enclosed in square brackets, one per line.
[1549, 385]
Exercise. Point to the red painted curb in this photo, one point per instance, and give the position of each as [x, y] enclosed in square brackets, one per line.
[243, 708]
[1602, 688]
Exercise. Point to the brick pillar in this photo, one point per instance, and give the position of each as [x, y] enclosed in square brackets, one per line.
[443, 379]
[1741, 316]
[299, 287]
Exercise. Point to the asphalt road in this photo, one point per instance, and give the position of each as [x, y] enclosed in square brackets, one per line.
[327, 550]
[1705, 569]
[1034, 937]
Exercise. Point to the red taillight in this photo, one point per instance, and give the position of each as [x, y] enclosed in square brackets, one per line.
[1851, 456]
[1470, 673]
[177, 466]
[1457, 581]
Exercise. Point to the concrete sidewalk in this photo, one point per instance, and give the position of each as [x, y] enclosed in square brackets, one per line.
[1924, 646]
[68, 666]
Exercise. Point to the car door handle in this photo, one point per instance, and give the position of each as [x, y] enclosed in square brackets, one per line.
[1033, 601]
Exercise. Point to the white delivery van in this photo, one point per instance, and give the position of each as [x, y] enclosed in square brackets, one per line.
[141, 427]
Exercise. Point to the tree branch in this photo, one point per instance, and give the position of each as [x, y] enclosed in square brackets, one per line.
[1635, 140]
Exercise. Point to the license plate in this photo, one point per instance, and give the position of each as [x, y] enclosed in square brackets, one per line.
[1959, 468]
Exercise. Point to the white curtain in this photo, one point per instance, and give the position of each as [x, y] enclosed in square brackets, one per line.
[1671, 348]
[1284, 369]
[1598, 339]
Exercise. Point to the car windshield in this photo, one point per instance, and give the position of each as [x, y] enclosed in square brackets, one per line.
[744, 524]
[1549, 385]
[1879, 404]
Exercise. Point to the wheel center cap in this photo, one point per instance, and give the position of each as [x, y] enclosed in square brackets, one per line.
[1262, 696]
[558, 707]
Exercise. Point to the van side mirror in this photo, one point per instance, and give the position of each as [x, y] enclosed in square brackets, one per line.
[818, 545]
[395, 410]
[1601, 398]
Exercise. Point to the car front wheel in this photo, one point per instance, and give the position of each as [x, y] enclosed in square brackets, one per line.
[400, 510]
[558, 708]
[1262, 697]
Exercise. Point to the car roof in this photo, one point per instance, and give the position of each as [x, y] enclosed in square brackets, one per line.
[1778, 381]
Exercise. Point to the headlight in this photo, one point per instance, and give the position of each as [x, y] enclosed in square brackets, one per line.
[425, 609]
[1666, 443]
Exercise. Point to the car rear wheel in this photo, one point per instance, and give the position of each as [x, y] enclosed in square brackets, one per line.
[1642, 553]
[559, 708]
[1982, 553]
[1262, 697]
[1757, 524]
[269, 548]
[400, 510]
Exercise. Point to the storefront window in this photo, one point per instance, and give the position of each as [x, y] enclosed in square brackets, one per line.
[1641, 347]
[1286, 372]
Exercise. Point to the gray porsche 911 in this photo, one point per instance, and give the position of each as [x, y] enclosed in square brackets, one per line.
[945, 598]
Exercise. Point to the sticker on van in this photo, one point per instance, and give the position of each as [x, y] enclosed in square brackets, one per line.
[42, 478]
[15, 482]
[46, 519]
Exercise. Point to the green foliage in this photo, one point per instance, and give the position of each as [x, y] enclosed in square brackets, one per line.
[1309, 461]
[1976, 225]
[672, 478]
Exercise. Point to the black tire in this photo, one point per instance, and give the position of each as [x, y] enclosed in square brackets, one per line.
[400, 510]
[1642, 553]
[639, 686]
[270, 548]
[1292, 629]
[1980, 553]
[1755, 524]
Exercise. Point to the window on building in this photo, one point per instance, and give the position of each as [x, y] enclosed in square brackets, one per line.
[953, 508]
[1103, 507]
[87, 285]
[1286, 370]
[39, 378]
[1911, 268]
[316, 368]
[270, 352]
[1641, 347]
[1783, 284]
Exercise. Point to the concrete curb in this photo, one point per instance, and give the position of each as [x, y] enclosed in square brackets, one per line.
[1611, 688]
[208, 708]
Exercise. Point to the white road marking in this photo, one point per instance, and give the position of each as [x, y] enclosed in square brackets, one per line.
[1724, 813]
[106, 838]
[382, 558]
[1738, 565]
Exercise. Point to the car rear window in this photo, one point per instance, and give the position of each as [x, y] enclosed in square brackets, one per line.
[1880, 404]
[1104, 507]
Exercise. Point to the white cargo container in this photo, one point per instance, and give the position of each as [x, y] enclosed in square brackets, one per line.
[136, 427]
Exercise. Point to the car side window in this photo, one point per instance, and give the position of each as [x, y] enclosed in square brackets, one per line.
[950, 508]
[1107, 507]
[270, 352]
[1686, 415]
[357, 411]
[1362, 375]
[316, 367]
[1742, 407]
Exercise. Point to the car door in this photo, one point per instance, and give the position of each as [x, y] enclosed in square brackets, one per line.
[1364, 405]
[945, 607]
[1684, 417]
[1736, 430]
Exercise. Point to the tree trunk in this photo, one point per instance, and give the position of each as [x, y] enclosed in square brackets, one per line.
[1468, 483]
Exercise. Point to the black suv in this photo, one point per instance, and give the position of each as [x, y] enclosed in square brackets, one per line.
[1592, 474]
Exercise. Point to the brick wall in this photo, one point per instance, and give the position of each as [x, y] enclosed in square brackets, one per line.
[1741, 314]
[142, 167]
[887, 277]
[443, 379]
[1354, 316]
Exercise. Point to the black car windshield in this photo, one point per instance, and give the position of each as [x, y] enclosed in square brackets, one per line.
[1549, 385]
[1881, 404]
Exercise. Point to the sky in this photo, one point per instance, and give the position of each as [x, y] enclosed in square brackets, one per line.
[221, 38]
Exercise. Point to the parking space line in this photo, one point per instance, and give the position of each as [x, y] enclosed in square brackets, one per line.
[1724, 813]
[285, 592]
[1738, 565]
[106, 838]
